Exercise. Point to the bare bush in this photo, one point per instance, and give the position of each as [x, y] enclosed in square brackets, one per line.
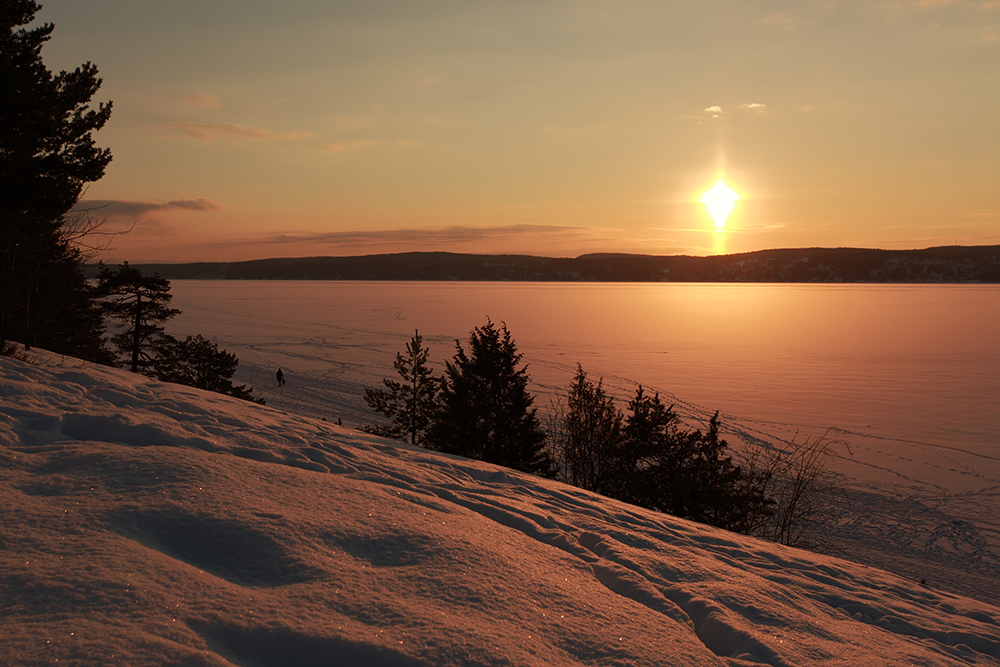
[798, 480]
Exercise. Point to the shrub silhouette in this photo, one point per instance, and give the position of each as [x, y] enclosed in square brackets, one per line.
[198, 362]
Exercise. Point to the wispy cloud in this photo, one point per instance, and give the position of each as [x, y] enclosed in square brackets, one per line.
[206, 101]
[783, 21]
[754, 106]
[984, 5]
[138, 209]
[440, 121]
[213, 131]
[358, 144]
[347, 146]
[715, 110]
[143, 218]
[435, 236]
[351, 122]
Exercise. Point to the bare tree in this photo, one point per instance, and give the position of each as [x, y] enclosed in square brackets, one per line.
[86, 231]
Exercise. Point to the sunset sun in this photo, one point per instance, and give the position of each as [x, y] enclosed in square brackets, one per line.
[719, 201]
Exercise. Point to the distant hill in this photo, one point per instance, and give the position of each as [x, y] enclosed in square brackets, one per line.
[949, 264]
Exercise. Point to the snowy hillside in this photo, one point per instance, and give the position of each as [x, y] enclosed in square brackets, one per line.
[146, 523]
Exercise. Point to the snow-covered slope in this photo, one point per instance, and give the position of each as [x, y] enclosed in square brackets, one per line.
[147, 523]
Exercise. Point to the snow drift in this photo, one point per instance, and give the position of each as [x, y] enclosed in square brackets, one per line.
[148, 523]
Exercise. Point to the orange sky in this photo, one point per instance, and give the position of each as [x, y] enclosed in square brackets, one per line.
[555, 127]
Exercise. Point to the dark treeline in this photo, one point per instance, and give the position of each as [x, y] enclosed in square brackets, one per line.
[949, 264]
[47, 157]
[480, 408]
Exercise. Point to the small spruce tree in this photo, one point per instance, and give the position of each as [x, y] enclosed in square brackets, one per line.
[591, 436]
[484, 409]
[409, 402]
[651, 428]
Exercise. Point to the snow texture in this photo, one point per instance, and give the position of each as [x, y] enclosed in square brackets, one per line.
[148, 523]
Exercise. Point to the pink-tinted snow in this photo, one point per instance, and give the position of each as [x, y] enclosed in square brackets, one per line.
[147, 523]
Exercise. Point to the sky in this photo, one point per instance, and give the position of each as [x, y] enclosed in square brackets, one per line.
[255, 129]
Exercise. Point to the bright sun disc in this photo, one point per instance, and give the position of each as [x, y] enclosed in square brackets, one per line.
[719, 201]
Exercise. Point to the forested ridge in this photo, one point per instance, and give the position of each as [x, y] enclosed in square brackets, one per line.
[947, 264]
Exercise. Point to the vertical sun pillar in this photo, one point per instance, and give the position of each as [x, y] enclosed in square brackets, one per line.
[719, 201]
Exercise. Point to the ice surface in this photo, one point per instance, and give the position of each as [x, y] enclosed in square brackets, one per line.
[147, 523]
[915, 394]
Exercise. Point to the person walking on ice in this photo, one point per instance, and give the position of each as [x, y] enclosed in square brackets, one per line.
[280, 377]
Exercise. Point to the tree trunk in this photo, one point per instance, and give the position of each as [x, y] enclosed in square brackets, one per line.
[135, 333]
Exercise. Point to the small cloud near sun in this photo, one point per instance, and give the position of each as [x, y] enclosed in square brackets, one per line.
[754, 106]
[715, 110]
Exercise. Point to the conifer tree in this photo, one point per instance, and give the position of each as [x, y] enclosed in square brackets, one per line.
[651, 429]
[47, 156]
[139, 304]
[198, 362]
[484, 409]
[650, 461]
[692, 475]
[409, 402]
[591, 435]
